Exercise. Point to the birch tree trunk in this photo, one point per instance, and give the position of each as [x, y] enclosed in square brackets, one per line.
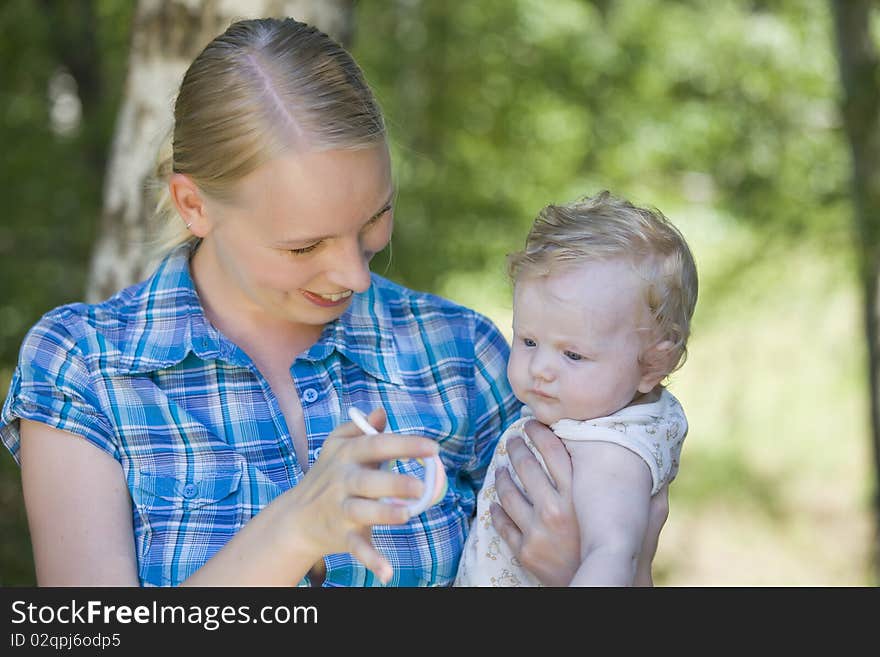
[166, 37]
[860, 103]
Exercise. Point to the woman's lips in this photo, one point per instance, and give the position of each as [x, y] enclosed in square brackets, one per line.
[327, 301]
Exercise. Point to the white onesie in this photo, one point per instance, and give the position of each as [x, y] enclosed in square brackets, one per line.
[655, 431]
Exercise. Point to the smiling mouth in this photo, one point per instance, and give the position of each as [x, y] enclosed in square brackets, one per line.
[327, 299]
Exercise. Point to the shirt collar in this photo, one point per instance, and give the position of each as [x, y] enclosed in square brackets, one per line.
[163, 317]
[170, 323]
[364, 334]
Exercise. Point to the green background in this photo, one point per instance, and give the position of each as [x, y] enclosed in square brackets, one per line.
[722, 114]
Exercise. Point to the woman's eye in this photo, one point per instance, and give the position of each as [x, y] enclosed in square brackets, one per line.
[529, 342]
[571, 355]
[305, 249]
[382, 214]
[372, 223]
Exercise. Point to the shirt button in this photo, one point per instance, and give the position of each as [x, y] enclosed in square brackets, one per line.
[190, 491]
[310, 395]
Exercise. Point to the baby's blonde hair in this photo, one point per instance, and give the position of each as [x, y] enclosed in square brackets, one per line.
[263, 87]
[605, 227]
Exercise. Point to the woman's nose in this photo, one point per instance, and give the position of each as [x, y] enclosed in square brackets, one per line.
[351, 267]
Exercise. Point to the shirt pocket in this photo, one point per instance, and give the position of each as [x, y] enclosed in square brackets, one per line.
[179, 509]
[207, 488]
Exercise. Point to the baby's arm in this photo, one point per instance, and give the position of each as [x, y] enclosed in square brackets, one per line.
[612, 498]
[657, 515]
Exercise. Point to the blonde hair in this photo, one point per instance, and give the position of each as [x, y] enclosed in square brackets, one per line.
[263, 87]
[604, 227]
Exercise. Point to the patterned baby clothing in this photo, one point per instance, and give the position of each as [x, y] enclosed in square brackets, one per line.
[655, 431]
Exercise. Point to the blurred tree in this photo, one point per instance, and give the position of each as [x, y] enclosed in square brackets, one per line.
[721, 112]
[502, 106]
[61, 71]
[860, 104]
[166, 36]
[59, 82]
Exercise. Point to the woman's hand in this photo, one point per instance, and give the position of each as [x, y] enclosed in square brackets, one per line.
[331, 510]
[337, 502]
[539, 524]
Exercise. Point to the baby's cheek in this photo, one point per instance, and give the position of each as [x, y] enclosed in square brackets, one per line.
[544, 412]
[513, 373]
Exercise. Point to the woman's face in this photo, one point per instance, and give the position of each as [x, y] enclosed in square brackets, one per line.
[296, 241]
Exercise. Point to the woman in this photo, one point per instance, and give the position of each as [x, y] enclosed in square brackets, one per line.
[216, 391]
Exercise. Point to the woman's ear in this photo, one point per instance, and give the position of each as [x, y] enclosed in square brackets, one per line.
[190, 203]
[657, 362]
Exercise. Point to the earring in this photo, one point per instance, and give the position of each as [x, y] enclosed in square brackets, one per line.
[189, 225]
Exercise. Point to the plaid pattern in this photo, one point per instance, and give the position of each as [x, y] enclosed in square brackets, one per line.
[203, 443]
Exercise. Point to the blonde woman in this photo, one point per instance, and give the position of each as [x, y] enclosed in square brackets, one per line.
[192, 428]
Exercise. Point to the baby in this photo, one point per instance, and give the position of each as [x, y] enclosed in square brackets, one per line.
[604, 293]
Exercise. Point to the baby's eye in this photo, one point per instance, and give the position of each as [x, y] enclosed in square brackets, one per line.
[571, 355]
[529, 342]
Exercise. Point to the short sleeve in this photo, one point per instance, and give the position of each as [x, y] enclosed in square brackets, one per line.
[494, 406]
[52, 384]
[655, 432]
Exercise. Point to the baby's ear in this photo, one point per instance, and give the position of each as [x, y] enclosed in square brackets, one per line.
[657, 362]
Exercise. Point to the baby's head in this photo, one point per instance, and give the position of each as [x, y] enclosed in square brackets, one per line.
[604, 293]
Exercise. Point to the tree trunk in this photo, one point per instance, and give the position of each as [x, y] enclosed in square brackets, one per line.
[166, 37]
[860, 78]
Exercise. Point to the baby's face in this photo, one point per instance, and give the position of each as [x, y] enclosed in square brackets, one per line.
[577, 340]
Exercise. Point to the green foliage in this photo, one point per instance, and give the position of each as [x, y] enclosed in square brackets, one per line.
[52, 182]
[501, 107]
[722, 114]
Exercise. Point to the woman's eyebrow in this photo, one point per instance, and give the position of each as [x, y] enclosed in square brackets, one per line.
[306, 240]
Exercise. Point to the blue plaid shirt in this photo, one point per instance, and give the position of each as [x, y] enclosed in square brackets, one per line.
[202, 440]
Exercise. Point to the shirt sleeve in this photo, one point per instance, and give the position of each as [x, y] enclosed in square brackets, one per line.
[52, 384]
[494, 406]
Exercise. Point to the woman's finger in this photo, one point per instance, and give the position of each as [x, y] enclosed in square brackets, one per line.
[390, 446]
[535, 481]
[516, 505]
[506, 528]
[345, 430]
[363, 550]
[365, 482]
[554, 453]
[378, 419]
[363, 512]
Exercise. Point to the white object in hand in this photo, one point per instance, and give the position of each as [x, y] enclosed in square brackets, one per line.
[415, 507]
